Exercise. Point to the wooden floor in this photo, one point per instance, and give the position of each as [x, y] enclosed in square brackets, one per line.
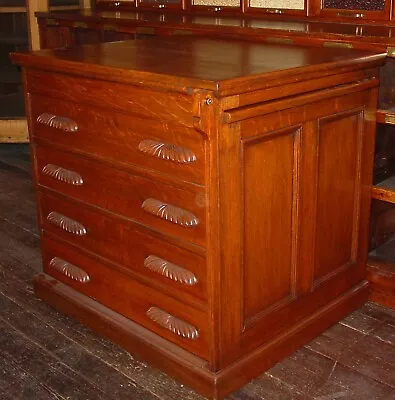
[45, 355]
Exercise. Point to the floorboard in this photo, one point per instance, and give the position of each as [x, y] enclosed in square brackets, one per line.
[46, 355]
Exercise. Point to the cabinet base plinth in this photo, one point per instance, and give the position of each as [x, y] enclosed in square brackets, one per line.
[179, 363]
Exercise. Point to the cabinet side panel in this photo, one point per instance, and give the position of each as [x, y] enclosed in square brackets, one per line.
[268, 180]
[337, 195]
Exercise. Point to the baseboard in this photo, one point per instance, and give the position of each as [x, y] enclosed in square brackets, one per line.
[182, 365]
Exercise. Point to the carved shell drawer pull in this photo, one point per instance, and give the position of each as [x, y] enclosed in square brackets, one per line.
[169, 270]
[70, 270]
[54, 121]
[167, 151]
[63, 174]
[172, 323]
[170, 213]
[66, 223]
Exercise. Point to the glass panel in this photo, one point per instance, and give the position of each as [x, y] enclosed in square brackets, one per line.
[279, 4]
[63, 3]
[368, 5]
[217, 3]
[382, 241]
[158, 2]
[123, 1]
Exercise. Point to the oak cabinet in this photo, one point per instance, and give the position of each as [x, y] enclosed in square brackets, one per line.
[207, 210]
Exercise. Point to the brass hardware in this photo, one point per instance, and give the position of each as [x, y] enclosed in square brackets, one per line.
[350, 14]
[273, 11]
[170, 270]
[70, 270]
[391, 52]
[50, 21]
[57, 122]
[172, 323]
[209, 101]
[389, 119]
[215, 9]
[67, 224]
[63, 174]
[170, 213]
[339, 44]
[167, 151]
[79, 24]
[113, 28]
[278, 40]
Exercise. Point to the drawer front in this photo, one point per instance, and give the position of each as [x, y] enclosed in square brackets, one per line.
[171, 319]
[156, 145]
[169, 267]
[161, 105]
[165, 208]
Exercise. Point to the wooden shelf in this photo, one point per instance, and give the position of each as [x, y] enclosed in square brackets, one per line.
[386, 116]
[385, 190]
[381, 275]
[385, 252]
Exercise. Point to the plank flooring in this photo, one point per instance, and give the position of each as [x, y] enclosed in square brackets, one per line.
[45, 355]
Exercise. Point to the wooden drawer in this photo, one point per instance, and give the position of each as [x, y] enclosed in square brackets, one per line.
[133, 196]
[154, 104]
[170, 267]
[171, 319]
[132, 140]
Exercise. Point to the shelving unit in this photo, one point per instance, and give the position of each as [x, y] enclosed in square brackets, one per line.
[381, 262]
[385, 190]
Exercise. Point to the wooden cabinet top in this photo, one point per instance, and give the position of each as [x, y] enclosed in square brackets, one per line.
[181, 63]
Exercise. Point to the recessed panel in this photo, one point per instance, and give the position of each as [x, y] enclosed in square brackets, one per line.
[278, 4]
[159, 3]
[269, 180]
[217, 3]
[368, 5]
[337, 196]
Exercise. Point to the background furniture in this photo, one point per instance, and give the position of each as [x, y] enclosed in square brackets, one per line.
[18, 32]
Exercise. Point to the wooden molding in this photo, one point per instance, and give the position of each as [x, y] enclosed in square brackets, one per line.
[181, 364]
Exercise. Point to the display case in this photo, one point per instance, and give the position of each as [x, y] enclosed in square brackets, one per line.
[278, 7]
[356, 9]
[160, 4]
[381, 264]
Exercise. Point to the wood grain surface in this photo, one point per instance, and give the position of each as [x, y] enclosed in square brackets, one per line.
[49, 355]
